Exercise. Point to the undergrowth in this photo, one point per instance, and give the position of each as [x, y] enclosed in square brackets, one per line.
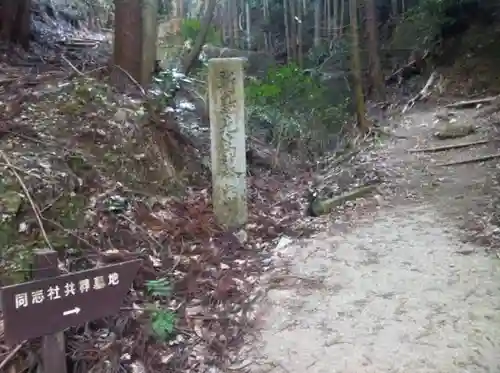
[295, 111]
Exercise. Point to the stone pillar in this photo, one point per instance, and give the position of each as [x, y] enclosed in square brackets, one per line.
[227, 133]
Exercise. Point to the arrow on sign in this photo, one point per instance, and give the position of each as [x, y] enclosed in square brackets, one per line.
[74, 311]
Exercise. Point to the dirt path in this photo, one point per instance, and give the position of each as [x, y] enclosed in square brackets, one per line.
[401, 292]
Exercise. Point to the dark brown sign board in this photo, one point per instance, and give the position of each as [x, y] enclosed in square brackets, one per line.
[37, 308]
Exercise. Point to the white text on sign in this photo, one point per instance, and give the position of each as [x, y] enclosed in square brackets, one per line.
[54, 292]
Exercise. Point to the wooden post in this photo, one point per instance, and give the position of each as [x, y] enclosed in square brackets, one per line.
[53, 346]
[227, 133]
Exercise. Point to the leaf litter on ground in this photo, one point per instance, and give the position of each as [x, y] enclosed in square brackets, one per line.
[106, 192]
[103, 198]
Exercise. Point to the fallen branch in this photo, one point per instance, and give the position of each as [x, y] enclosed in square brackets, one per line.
[319, 207]
[35, 208]
[471, 160]
[73, 67]
[343, 158]
[493, 107]
[135, 82]
[471, 103]
[448, 147]
[11, 354]
[380, 131]
[410, 65]
[423, 94]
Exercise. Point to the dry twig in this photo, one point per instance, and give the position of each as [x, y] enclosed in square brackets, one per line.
[141, 88]
[35, 208]
[471, 160]
[423, 94]
[452, 146]
[11, 354]
[72, 66]
[471, 103]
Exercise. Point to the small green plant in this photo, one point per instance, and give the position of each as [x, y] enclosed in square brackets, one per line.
[190, 28]
[296, 109]
[162, 321]
[285, 85]
[159, 288]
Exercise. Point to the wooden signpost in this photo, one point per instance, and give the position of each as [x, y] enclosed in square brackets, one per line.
[54, 302]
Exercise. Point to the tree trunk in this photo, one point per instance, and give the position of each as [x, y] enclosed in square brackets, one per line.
[336, 19]
[293, 28]
[375, 70]
[15, 22]
[394, 5]
[265, 12]
[200, 39]
[300, 12]
[248, 24]
[134, 41]
[317, 23]
[127, 42]
[329, 19]
[180, 9]
[342, 18]
[288, 37]
[236, 26]
[356, 68]
[228, 24]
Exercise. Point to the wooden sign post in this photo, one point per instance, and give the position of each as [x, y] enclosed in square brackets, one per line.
[53, 302]
[53, 345]
[227, 136]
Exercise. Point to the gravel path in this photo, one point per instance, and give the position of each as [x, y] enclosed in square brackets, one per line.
[398, 293]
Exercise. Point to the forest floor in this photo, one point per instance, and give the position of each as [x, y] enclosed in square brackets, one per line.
[391, 275]
[400, 287]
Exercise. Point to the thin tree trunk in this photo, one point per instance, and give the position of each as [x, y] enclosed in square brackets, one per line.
[329, 19]
[335, 21]
[248, 25]
[375, 69]
[180, 8]
[356, 68]
[317, 23]
[188, 62]
[229, 23]
[342, 18]
[293, 28]
[235, 16]
[394, 6]
[300, 12]
[265, 11]
[287, 31]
